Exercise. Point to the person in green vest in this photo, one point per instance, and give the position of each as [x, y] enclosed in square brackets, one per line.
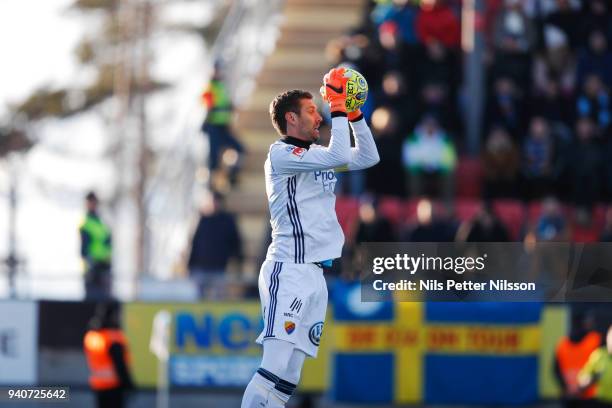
[429, 158]
[96, 252]
[217, 125]
[598, 372]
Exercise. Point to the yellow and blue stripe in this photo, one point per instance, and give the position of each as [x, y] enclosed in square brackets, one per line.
[436, 353]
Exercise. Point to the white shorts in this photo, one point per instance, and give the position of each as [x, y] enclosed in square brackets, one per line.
[293, 302]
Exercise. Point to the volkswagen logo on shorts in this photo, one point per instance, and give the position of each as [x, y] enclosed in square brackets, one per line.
[315, 333]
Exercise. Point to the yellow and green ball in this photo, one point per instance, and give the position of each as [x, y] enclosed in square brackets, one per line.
[356, 90]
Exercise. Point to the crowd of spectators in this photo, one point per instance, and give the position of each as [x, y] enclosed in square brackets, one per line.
[544, 169]
[546, 133]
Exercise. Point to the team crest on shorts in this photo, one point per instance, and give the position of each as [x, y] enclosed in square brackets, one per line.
[289, 326]
[315, 332]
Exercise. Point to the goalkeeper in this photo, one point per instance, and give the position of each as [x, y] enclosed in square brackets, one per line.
[306, 235]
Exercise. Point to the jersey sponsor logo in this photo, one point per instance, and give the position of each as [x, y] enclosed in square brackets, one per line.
[298, 151]
[325, 175]
[327, 179]
[315, 332]
[287, 314]
[289, 326]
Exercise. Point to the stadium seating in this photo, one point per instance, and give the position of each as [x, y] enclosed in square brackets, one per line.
[468, 177]
[391, 208]
[512, 214]
[466, 208]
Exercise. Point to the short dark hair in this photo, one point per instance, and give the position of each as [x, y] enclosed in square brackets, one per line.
[286, 102]
[91, 196]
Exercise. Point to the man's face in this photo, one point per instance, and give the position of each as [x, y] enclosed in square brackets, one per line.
[308, 121]
[91, 205]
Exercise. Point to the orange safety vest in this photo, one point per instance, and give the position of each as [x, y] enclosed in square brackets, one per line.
[97, 345]
[573, 356]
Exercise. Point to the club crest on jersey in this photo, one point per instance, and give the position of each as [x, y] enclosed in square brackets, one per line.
[298, 151]
[289, 326]
[315, 332]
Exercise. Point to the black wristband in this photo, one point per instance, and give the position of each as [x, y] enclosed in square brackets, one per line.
[358, 118]
[336, 114]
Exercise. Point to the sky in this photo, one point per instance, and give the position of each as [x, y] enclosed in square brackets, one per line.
[37, 42]
[37, 39]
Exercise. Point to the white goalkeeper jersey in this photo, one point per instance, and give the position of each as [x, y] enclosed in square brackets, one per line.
[300, 182]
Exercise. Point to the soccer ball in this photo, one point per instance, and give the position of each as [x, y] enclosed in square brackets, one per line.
[356, 90]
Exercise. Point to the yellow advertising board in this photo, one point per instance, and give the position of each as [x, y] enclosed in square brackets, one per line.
[211, 344]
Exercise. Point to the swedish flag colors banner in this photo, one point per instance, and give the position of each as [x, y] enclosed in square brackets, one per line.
[472, 353]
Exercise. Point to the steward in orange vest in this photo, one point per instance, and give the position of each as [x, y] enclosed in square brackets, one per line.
[571, 355]
[107, 357]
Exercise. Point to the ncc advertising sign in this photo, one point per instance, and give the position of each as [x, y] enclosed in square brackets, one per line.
[211, 344]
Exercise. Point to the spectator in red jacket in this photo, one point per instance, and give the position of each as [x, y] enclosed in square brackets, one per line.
[437, 22]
